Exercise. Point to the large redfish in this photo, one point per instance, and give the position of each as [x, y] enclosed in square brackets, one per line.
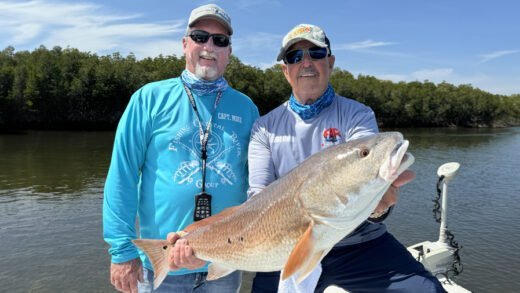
[295, 221]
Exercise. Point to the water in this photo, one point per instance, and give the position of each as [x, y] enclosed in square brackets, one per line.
[51, 195]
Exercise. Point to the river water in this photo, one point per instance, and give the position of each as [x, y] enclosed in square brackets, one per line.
[51, 200]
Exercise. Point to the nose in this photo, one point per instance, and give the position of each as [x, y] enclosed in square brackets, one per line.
[209, 45]
[307, 60]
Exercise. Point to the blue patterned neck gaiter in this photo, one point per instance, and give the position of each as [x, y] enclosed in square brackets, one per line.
[203, 87]
[309, 111]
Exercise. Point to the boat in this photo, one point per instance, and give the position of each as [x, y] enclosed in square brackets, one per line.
[440, 257]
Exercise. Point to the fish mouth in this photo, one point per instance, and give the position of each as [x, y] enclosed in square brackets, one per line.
[399, 161]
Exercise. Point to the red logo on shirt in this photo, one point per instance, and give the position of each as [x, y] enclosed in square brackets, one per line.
[331, 134]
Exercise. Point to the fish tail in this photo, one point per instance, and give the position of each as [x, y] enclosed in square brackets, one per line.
[157, 252]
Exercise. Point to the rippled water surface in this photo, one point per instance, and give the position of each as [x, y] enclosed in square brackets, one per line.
[51, 194]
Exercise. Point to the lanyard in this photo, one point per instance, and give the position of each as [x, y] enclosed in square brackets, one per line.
[203, 134]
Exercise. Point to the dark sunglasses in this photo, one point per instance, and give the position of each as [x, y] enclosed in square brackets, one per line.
[201, 37]
[296, 56]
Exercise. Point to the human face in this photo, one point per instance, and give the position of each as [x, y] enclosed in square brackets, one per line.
[206, 61]
[309, 78]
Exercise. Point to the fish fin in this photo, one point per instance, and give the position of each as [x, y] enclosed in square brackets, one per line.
[310, 265]
[300, 253]
[216, 271]
[209, 220]
[157, 252]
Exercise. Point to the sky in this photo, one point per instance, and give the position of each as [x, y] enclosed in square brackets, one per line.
[474, 42]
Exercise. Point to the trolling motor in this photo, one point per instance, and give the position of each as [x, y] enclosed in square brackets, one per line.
[441, 257]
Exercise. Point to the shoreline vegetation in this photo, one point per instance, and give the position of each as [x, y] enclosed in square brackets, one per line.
[66, 89]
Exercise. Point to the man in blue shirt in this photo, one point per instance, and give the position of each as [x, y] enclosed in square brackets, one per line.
[179, 155]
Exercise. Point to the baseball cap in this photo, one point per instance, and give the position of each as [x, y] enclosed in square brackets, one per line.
[211, 11]
[301, 32]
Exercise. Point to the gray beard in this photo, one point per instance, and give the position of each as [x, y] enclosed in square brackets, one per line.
[206, 72]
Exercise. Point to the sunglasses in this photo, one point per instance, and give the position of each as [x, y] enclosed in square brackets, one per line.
[201, 37]
[296, 56]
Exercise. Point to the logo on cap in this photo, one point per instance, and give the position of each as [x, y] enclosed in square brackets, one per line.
[298, 31]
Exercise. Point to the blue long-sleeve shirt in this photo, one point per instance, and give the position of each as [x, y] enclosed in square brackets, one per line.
[155, 170]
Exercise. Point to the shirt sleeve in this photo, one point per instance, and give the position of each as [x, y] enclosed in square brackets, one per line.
[362, 123]
[121, 187]
[261, 166]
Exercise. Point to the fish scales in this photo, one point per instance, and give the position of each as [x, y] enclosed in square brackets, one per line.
[255, 229]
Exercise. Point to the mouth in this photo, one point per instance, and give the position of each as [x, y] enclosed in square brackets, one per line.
[308, 74]
[399, 161]
[207, 57]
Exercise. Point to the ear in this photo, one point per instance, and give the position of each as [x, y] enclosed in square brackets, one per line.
[184, 44]
[332, 58]
[285, 70]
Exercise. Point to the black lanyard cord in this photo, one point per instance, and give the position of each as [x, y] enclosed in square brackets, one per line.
[203, 134]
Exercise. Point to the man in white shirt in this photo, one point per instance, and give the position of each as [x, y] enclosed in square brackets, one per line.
[370, 259]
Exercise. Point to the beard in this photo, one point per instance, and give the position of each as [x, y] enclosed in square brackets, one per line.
[206, 72]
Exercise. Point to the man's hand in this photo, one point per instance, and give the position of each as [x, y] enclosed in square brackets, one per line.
[124, 276]
[181, 254]
[390, 197]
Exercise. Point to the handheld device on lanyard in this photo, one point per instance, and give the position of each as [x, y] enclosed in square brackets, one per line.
[203, 199]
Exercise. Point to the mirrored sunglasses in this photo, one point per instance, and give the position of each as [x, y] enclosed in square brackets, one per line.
[201, 37]
[296, 56]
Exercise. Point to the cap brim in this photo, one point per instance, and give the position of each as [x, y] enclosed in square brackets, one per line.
[283, 50]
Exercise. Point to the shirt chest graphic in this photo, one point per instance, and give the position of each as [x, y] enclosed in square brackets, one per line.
[222, 146]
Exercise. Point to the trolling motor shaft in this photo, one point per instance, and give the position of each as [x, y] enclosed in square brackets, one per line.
[441, 257]
[446, 172]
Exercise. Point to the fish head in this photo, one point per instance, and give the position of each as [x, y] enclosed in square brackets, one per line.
[355, 175]
[384, 156]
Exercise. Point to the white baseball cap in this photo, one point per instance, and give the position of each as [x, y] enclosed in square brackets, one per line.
[211, 11]
[301, 32]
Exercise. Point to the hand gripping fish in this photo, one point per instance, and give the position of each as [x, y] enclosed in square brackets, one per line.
[295, 221]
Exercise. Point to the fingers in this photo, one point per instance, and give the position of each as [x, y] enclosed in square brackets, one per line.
[172, 237]
[192, 261]
[124, 276]
[404, 178]
[131, 285]
[391, 195]
[181, 256]
[389, 199]
[140, 275]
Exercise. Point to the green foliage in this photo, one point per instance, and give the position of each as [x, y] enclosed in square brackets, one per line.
[65, 88]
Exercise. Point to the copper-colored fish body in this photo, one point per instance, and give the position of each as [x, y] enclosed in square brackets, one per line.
[295, 221]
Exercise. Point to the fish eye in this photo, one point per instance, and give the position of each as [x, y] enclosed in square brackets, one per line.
[364, 152]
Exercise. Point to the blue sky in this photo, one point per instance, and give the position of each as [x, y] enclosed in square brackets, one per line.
[457, 41]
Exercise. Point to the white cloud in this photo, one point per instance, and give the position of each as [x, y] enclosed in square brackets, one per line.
[26, 32]
[433, 75]
[363, 45]
[394, 77]
[497, 54]
[504, 85]
[249, 4]
[258, 41]
[85, 26]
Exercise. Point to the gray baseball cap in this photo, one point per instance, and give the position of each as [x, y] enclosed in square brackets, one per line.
[211, 11]
[301, 32]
